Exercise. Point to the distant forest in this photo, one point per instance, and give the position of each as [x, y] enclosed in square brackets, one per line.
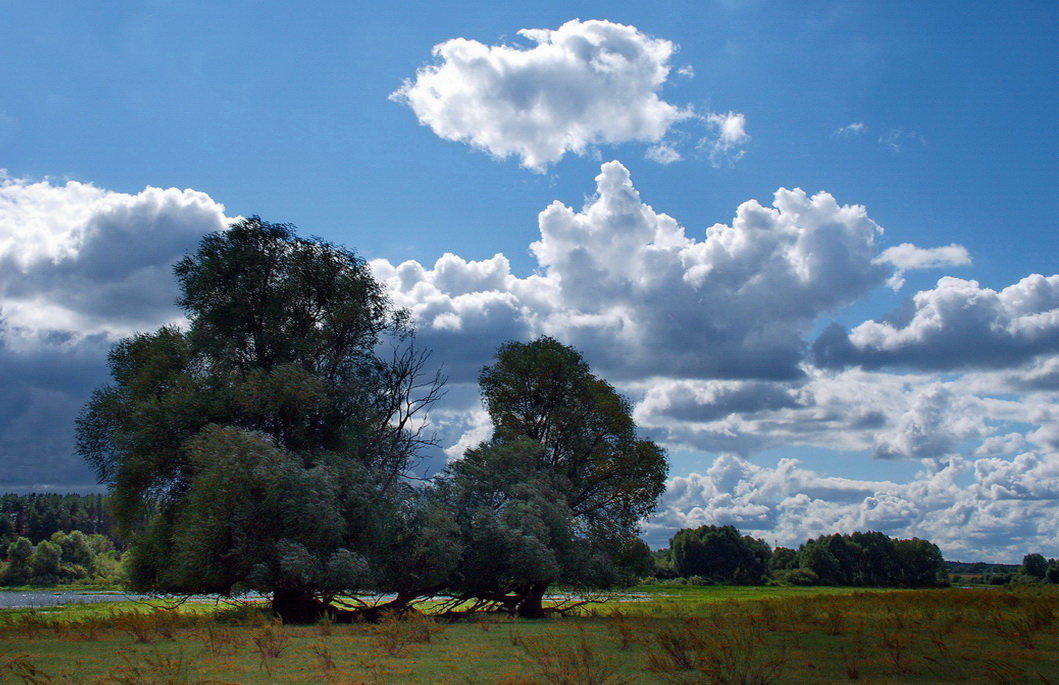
[36, 517]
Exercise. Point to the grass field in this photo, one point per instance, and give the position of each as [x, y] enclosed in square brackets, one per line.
[657, 634]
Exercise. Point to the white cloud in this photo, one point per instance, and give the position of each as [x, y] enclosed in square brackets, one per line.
[1009, 508]
[78, 261]
[663, 153]
[896, 138]
[958, 324]
[725, 147]
[881, 414]
[906, 257]
[584, 84]
[853, 129]
[627, 285]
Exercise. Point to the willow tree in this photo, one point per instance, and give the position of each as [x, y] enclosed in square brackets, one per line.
[262, 447]
[558, 493]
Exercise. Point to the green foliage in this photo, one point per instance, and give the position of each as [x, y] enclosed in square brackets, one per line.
[720, 554]
[556, 496]
[37, 516]
[265, 446]
[873, 560]
[1034, 565]
[46, 560]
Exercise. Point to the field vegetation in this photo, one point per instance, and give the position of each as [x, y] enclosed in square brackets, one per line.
[653, 634]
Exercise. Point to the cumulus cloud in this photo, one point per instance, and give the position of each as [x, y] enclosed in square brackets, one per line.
[958, 324]
[584, 84]
[641, 298]
[78, 261]
[884, 415]
[80, 267]
[1009, 507]
[852, 129]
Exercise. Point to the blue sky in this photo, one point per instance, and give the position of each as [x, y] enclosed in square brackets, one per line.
[929, 408]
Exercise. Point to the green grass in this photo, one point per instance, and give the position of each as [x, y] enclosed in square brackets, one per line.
[660, 634]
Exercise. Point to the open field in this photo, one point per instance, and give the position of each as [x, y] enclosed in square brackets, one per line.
[670, 634]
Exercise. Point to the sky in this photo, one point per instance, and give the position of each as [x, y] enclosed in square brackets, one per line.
[815, 244]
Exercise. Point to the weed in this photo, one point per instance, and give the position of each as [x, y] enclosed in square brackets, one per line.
[219, 640]
[836, 621]
[623, 629]
[30, 623]
[563, 663]
[396, 633]
[897, 645]
[153, 667]
[21, 668]
[324, 659]
[850, 662]
[270, 642]
[147, 626]
[730, 655]
[1003, 672]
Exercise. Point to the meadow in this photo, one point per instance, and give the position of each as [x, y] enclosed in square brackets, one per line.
[653, 634]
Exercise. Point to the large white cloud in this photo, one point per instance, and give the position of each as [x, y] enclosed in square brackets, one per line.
[78, 261]
[586, 83]
[641, 298]
[80, 267]
[958, 324]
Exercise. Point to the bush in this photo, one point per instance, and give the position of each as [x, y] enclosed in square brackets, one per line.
[797, 576]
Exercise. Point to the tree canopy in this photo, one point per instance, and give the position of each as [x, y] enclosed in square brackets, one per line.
[266, 446]
[557, 495]
[271, 410]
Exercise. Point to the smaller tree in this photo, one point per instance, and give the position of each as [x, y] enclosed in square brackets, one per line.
[556, 497]
[46, 562]
[721, 554]
[920, 564]
[19, 554]
[1034, 565]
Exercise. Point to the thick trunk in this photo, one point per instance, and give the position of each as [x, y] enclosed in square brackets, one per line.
[296, 606]
[530, 603]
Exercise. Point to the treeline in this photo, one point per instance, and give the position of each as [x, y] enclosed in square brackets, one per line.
[62, 558]
[47, 539]
[36, 517]
[720, 555]
[1035, 568]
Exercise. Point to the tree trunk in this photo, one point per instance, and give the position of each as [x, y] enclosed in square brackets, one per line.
[297, 606]
[530, 605]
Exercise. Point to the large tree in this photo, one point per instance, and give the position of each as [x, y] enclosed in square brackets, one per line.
[557, 495]
[264, 446]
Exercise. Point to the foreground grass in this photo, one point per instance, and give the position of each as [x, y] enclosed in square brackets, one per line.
[676, 635]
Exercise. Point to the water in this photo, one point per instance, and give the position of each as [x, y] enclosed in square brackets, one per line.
[50, 598]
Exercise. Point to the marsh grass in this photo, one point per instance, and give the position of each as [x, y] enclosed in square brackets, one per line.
[957, 636]
[566, 661]
[396, 634]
